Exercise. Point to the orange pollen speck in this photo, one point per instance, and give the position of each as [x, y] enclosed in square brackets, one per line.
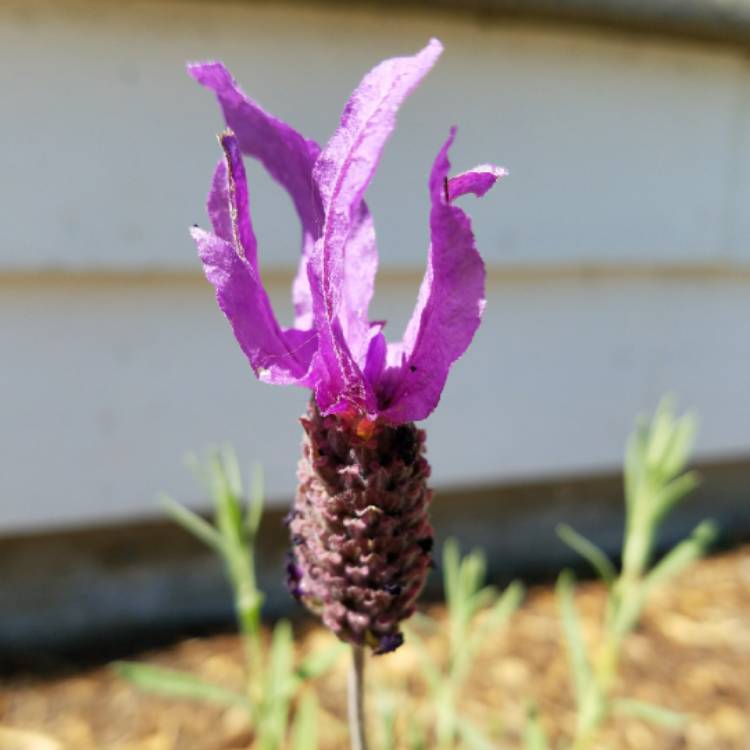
[365, 428]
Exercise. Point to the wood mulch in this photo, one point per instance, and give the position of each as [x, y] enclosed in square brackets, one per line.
[691, 654]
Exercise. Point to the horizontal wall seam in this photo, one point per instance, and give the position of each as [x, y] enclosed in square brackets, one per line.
[496, 273]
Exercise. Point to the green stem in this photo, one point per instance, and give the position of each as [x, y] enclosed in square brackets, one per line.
[248, 602]
[445, 728]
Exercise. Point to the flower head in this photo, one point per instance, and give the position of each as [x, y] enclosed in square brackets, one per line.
[361, 537]
[333, 348]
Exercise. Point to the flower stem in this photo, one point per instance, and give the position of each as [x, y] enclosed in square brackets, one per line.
[357, 699]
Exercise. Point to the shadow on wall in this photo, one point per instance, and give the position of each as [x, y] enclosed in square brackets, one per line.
[101, 592]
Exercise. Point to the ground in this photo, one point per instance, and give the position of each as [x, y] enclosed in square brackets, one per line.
[691, 654]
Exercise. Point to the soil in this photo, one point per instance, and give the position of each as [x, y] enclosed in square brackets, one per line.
[691, 654]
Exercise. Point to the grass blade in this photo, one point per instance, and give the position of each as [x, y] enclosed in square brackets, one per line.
[571, 624]
[305, 726]
[174, 684]
[254, 511]
[430, 670]
[320, 661]
[683, 554]
[649, 712]
[473, 737]
[192, 523]
[596, 557]
[534, 737]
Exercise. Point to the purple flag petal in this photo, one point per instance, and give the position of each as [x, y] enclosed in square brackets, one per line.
[342, 174]
[451, 297]
[286, 155]
[231, 265]
[289, 158]
[477, 181]
[276, 356]
[218, 203]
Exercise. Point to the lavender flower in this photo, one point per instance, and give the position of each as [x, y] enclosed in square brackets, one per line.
[361, 536]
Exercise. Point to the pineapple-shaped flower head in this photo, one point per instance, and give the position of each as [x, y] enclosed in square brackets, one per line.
[361, 538]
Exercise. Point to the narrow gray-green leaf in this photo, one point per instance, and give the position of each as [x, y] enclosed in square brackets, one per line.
[495, 619]
[256, 502]
[192, 523]
[231, 467]
[320, 661]
[596, 557]
[687, 551]
[305, 726]
[430, 670]
[534, 737]
[579, 663]
[676, 456]
[473, 737]
[660, 432]
[228, 510]
[672, 493]
[649, 712]
[281, 658]
[174, 684]
[451, 571]
[386, 707]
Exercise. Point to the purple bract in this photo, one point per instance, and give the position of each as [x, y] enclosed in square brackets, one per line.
[333, 348]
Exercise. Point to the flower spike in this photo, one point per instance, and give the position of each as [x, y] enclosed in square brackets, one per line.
[361, 537]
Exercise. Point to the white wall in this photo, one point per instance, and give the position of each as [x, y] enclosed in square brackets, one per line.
[619, 248]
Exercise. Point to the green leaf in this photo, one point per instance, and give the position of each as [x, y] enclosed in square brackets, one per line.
[320, 661]
[660, 432]
[281, 659]
[305, 726]
[231, 469]
[649, 712]
[472, 572]
[686, 552]
[416, 734]
[451, 571]
[676, 455]
[430, 670]
[596, 557]
[254, 511]
[228, 510]
[192, 523]
[579, 663]
[534, 737]
[495, 619]
[174, 684]
[279, 688]
[386, 707]
[670, 494]
[635, 452]
[480, 600]
[472, 736]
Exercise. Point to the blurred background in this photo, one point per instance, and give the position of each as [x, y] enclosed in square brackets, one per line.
[618, 256]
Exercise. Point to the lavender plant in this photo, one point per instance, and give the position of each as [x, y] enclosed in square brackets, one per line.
[361, 538]
[273, 683]
[655, 481]
[476, 613]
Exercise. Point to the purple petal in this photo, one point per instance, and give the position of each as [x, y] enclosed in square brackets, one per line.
[276, 356]
[286, 154]
[289, 158]
[218, 203]
[451, 298]
[342, 174]
[376, 354]
[230, 264]
[238, 201]
[477, 181]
